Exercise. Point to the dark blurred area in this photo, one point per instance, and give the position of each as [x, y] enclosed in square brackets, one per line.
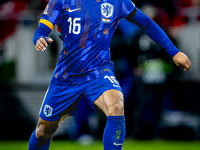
[161, 100]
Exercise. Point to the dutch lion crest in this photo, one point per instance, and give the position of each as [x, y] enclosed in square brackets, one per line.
[48, 110]
[106, 10]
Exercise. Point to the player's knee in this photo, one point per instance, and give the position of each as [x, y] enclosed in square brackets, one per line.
[116, 109]
[41, 134]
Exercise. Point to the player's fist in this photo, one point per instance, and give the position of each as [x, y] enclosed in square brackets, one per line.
[42, 43]
[180, 59]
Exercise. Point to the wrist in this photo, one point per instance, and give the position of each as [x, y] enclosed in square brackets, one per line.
[173, 51]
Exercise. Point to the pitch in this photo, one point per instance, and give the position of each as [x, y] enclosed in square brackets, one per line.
[97, 145]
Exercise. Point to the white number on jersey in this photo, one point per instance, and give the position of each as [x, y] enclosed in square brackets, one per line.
[74, 25]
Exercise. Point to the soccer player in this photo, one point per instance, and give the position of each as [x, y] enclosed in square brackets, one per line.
[84, 68]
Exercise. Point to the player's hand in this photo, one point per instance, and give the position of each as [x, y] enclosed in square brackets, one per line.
[180, 59]
[42, 43]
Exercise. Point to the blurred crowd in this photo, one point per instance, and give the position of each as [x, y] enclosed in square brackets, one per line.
[169, 14]
[157, 99]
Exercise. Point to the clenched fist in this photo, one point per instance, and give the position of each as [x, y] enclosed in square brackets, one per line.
[180, 59]
[42, 43]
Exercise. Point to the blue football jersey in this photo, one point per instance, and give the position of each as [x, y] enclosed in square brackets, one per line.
[86, 28]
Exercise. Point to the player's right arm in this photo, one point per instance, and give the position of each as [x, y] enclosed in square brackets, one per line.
[49, 18]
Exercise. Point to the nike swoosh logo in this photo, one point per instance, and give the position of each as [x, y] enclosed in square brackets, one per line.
[74, 10]
[117, 143]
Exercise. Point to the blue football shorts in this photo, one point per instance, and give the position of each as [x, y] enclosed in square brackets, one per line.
[60, 100]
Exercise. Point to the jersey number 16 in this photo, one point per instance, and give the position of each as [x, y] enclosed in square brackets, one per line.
[74, 25]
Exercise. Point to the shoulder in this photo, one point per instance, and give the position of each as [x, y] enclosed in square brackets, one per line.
[54, 3]
[128, 3]
[127, 7]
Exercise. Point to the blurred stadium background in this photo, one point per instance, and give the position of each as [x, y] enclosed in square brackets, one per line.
[161, 100]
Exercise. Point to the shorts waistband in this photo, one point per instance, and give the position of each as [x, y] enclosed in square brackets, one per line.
[82, 77]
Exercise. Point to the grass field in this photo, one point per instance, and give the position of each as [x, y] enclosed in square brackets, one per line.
[128, 145]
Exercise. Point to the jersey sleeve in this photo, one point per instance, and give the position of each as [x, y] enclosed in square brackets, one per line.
[49, 18]
[127, 7]
[51, 14]
[153, 31]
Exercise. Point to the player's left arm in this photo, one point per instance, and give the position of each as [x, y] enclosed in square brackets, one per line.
[159, 36]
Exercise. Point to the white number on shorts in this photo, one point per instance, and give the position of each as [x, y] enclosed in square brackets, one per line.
[112, 79]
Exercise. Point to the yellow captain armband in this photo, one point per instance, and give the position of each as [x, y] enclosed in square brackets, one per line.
[47, 23]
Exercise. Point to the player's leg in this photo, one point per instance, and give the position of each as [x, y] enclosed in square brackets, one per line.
[40, 138]
[58, 102]
[106, 93]
[112, 104]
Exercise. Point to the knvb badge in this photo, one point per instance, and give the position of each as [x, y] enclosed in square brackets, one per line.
[106, 10]
[48, 110]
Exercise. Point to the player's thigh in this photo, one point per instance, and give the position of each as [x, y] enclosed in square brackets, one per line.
[111, 102]
[106, 93]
